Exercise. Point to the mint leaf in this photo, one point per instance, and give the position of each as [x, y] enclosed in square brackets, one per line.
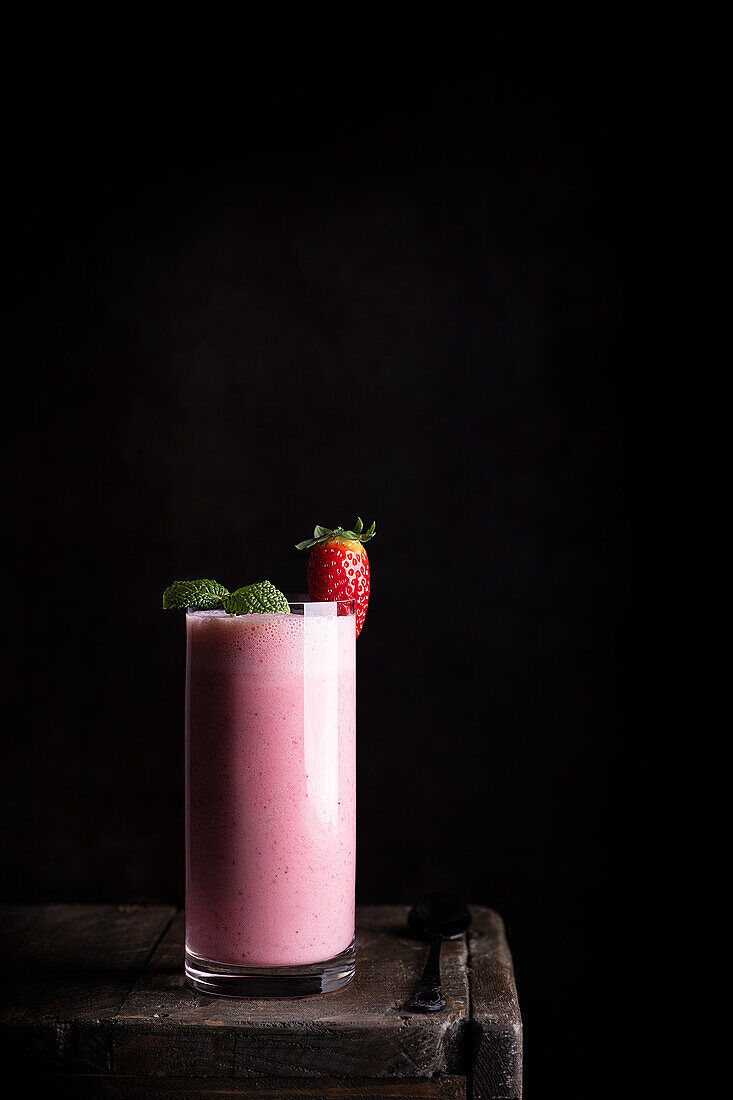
[206, 595]
[262, 598]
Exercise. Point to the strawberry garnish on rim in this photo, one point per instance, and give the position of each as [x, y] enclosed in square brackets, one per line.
[338, 566]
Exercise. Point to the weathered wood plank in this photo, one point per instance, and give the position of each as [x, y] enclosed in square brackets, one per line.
[77, 999]
[495, 1016]
[166, 1028]
[228, 1088]
[69, 968]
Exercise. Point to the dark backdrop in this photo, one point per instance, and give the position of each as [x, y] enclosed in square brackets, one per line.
[397, 284]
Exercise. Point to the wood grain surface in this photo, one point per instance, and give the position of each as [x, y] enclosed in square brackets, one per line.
[167, 1028]
[97, 994]
[70, 969]
[495, 1017]
[272, 1088]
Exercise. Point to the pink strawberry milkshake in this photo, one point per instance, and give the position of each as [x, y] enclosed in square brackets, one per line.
[270, 786]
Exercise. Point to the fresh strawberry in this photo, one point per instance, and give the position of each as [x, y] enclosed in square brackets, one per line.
[338, 566]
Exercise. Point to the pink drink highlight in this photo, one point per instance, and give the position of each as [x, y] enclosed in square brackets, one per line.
[270, 786]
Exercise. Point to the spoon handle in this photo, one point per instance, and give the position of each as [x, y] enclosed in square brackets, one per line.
[428, 996]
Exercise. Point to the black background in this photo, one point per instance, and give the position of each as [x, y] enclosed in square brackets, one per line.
[398, 283]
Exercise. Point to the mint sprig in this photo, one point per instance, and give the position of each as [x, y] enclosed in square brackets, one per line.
[323, 534]
[208, 595]
[261, 598]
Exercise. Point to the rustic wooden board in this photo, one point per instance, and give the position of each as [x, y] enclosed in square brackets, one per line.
[99, 990]
[272, 1088]
[496, 1020]
[68, 968]
[166, 1028]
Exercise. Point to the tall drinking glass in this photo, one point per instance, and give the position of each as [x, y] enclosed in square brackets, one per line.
[271, 800]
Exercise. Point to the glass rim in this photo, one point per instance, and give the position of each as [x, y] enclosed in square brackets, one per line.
[294, 601]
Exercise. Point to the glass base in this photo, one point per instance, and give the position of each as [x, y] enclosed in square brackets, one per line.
[229, 980]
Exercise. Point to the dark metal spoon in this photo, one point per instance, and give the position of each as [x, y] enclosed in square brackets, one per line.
[436, 917]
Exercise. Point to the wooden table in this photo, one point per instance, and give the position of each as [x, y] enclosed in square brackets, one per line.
[95, 997]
